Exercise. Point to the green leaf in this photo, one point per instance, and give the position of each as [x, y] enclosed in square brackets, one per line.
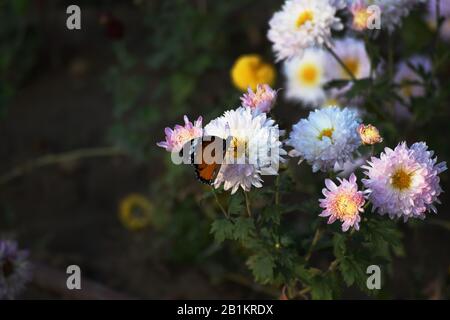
[271, 214]
[381, 236]
[321, 288]
[339, 245]
[236, 204]
[244, 228]
[262, 266]
[351, 271]
[222, 230]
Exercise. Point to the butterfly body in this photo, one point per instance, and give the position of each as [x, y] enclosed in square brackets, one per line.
[207, 157]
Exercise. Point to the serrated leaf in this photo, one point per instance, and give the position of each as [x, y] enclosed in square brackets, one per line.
[353, 271]
[236, 204]
[262, 266]
[339, 245]
[222, 229]
[271, 214]
[321, 289]
[244, 228]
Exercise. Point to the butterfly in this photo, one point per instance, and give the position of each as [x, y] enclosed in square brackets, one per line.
[207, 157]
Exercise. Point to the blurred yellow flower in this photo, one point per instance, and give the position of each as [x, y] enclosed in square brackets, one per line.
[135, 212]
[250, 70]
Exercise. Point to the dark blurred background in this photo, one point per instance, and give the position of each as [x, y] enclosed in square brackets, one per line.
[102, 96]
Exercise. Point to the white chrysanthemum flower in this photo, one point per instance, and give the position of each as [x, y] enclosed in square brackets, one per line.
[255, 148]
[301, 24]
[327, 138]
[353, 54]
[305, 77]
[404, 182]
[392, 11]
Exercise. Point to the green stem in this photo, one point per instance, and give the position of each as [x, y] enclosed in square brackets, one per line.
[316, 238]
[277, 190]
[247, 204]
[219, 204]
[304, 291]
[51, 159]
[390, 57]
[333, 266]
[341, 63]
[438, 14]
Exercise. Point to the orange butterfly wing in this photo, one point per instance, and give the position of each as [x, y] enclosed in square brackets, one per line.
[206, 172]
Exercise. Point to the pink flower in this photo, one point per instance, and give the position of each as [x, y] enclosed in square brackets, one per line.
[176, 138]
[404, 182]
[361, 15]
[343, 202]
[260, 101]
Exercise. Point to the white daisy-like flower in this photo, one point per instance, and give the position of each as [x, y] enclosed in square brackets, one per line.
[301, 24]
[327, 138]
[255, 148]
[305, 77]
[404, 182]
[353, 54]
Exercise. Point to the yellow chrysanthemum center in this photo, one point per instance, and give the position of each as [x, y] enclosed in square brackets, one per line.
[352, 65]
[345, 206]
[250, 70]
[401, 179]
[135, 212]
[309, 75]
[407, 88]
[239, 146]
[304, 17]
[325, 133]
[331, 102]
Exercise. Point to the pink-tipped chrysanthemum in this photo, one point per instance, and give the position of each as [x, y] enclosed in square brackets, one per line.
[260, 101]
[176, 138]
[343, 202]
[404, 182]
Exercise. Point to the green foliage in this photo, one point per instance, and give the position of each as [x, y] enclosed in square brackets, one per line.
[222, 229]
[262, 266]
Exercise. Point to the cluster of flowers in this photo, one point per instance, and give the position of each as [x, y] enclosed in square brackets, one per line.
[302, 24]
[301, 37]
[250, 128]
[402, 182]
